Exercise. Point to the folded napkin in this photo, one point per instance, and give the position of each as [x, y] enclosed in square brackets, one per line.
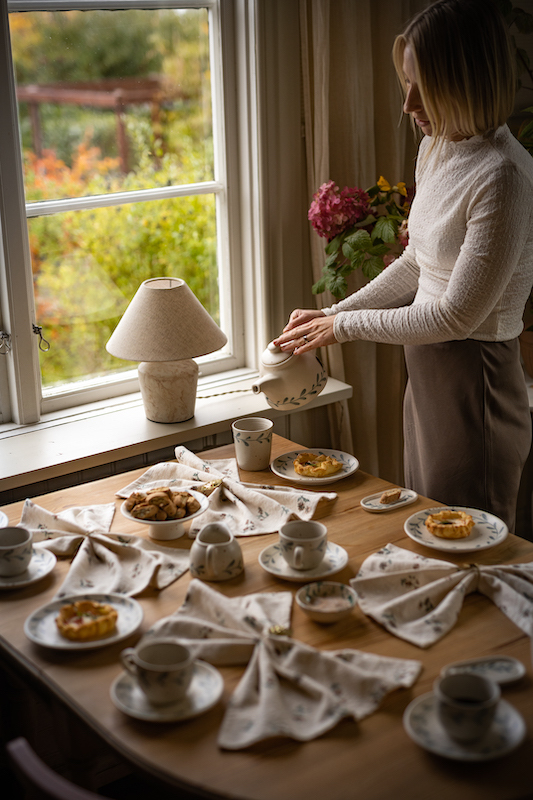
[103, 562]
[246, 508]
[419, 598]
[288, 688]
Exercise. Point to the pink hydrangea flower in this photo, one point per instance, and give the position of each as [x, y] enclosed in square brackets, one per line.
[333, 210]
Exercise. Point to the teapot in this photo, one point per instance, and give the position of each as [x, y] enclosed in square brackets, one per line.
[288, 380]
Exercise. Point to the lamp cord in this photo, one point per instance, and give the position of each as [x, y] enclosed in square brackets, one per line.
[219, 394]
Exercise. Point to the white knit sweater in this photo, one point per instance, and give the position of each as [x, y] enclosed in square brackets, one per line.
[468, 269]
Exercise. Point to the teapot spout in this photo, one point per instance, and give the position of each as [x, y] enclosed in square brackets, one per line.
[258, 385]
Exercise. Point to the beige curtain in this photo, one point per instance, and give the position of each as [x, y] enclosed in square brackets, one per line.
[352, 108]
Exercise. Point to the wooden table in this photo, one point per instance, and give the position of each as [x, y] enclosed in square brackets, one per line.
[371, 759]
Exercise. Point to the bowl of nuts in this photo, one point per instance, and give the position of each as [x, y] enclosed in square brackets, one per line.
[164, 510]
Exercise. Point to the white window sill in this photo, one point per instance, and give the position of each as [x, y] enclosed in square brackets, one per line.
[94, 435]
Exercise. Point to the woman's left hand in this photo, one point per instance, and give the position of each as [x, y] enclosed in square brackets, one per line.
[316, 332]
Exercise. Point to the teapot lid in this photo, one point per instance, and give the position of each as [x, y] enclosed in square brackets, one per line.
[274, 356]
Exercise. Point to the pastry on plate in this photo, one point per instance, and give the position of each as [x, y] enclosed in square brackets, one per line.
[390, 496]
[448, 524]
[86, 619]
[316, 466]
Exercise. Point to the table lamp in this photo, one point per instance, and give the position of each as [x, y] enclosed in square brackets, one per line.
[165, 326]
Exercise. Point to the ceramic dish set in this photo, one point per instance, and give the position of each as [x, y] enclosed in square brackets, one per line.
[507, 730]
[322, 600]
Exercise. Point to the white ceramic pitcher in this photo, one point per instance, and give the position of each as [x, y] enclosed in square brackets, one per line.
[215, 554]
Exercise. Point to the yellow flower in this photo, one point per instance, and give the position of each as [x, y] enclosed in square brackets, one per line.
[383, 184]
[401, 188]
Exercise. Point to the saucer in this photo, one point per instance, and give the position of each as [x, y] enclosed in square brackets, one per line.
[488, 530]
[40, 627]
[334, 560]
[204, 692]
[500, 669]
[282, 466]
[423, 726]
[371, 502]
[41, 564]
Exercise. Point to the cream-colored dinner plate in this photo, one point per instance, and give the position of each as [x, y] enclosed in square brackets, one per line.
[41, 564]
[282, 466]
[422, 724]
[334, 560]
[40, 627]
[204, 692]
[488, 530]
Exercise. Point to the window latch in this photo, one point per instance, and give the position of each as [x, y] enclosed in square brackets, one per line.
[44, 346]
[5, 343]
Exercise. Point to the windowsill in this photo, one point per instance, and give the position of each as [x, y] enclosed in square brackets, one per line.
[93, 435]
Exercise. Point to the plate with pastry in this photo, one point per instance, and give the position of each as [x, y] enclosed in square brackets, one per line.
[388, 500]
[314, 467]
[84, 621]
[456, 528]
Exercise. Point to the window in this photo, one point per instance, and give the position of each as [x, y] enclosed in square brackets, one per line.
[119, 171]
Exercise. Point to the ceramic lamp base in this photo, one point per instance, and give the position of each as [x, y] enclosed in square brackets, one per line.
[168, 389]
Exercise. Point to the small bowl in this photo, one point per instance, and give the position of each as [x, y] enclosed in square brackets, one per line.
[166, 530]
[326, 601]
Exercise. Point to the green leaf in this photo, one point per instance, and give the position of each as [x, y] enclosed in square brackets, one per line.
[385, 229]
[333, 246]
[360, 240]
[373, 266]
[338, 286]
[331, 261]
[319, 286]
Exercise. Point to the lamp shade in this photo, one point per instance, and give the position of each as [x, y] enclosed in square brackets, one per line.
[165, 322]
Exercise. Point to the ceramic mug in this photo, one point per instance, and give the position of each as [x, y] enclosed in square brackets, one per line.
[253, 442]
[215, 554]
[162, 667]
[303, 543]
[15, 551]
[466, 705]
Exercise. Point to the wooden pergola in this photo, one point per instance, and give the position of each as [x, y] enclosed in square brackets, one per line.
[109, 94]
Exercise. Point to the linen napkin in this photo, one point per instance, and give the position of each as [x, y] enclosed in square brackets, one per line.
[103, 562]
[288, 688]
[419, 598]
[246, 508]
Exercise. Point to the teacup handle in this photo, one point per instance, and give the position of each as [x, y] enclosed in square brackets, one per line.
[212, 561]
[298, 557]
[128, 661]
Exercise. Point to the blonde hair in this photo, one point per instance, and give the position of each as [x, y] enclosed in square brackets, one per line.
[465, 66]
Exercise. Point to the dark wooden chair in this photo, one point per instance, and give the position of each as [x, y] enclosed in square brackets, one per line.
[39, 780]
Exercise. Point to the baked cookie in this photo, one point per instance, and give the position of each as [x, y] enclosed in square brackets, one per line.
[313, 466]
[86, 619]
[161, 504]
[448, 524]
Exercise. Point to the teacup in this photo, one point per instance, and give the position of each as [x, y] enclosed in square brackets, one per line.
[162, 667]
[303, 543]
[253, 442]
[15, 551]
[215, 554]
[466, 705]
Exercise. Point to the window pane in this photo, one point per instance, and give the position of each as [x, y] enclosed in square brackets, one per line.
[108, 98]
[89, 264]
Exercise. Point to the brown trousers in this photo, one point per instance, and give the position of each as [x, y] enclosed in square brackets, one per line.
[467, 424]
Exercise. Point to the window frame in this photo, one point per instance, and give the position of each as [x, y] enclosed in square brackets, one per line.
[235, 133]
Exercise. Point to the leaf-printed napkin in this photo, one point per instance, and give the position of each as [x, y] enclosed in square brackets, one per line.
[246, 508]
[419, 598]
[288, 688]
[103, 562]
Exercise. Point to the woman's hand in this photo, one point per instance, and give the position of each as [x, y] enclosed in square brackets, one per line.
[306, 330]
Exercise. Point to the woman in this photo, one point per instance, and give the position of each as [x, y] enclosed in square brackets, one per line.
[456, 296]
